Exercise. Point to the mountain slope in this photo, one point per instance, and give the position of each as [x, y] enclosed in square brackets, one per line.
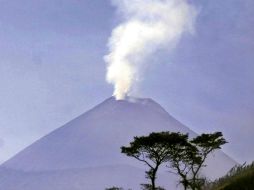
[95, 178]
[94, 140]
[95, 137]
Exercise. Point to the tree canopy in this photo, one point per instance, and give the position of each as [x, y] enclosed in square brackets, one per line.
[185, 157]
[153, 150]
[188, 160]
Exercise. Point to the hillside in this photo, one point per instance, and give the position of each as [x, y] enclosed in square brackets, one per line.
[239, 178]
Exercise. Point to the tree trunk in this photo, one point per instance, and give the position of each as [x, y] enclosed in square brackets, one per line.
[153, 177]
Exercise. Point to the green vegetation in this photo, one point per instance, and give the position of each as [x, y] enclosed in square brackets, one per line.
[239, 178]
[184, 156]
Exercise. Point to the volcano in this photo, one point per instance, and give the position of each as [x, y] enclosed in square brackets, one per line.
[84, 154]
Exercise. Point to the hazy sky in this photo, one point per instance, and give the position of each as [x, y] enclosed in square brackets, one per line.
[52, 70]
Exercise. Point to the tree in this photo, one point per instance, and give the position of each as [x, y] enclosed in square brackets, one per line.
[186, 157]
[114, 188]
[206, 144]
[181, 158]
[153, 150]
[187, 160]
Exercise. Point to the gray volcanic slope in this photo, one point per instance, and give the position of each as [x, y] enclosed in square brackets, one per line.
[85, 153]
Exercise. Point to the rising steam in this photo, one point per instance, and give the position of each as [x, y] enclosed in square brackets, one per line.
[147, 26]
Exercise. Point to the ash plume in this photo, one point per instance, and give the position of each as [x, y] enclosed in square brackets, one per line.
[147, 25]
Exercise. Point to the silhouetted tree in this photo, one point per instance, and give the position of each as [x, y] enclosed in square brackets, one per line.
[186, 157]
[187, 160]
[181, 159]
[206, 143]
[153, 150]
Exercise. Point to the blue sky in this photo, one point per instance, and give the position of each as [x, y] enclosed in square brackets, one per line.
[52, 70]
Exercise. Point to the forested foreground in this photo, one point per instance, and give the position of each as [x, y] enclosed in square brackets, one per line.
[239, 178]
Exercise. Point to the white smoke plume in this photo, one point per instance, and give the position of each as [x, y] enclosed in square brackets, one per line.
[147, 26]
